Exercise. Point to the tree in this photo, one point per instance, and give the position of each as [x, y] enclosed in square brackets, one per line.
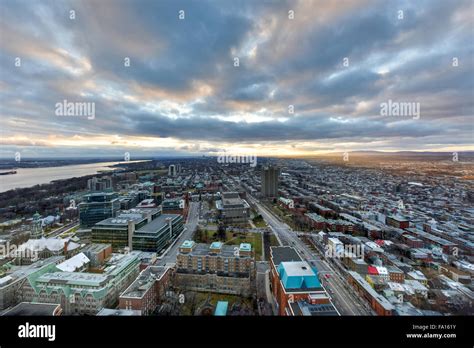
[199, 235]
[221, 231]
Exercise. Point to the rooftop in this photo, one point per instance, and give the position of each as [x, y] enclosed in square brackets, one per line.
[307, 309]
[74, 263]
[145, 280]
[245, 246]
[298, 275]
[366, 286]
[187, 244]
[284, 253]
[118, 312]
[158, 223]
[221, 308]
[201, 249]
[33, 309]
[72, 278]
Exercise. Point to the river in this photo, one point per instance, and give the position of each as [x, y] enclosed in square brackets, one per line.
[27, 177]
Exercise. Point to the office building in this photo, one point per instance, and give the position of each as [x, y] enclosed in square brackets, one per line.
[270, 181]
[232, 209]
[100, 184]
[98, 206]
[138, 229]
[172, 170]
[173, 206]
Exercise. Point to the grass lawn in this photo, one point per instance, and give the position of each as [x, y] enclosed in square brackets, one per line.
[200, 298]
[240, 237]
[260, 223]
[274, 241]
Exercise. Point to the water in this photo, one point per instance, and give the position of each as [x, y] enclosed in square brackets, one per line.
[26, 177]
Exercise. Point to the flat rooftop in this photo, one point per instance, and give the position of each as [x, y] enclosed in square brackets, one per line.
[201, 249]
[233, 200]
[221, 308]
[188, 244]
[284, 254]
[145, 280]
[298, 268]
[32, 309]
[158, 223]
[118, 312]
[19, 272]
[96, 247]
[72, 278]
[306, 309]
[119, 221]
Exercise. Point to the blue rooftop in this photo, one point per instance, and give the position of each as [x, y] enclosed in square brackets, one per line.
[216, 245]
[187, 244]
[221, 308]
[298, 275]
[245, 246]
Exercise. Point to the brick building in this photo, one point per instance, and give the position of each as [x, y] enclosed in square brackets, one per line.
[145, 293]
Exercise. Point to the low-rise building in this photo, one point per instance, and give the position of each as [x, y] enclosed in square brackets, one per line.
[35, 309]
[232, 209]
[295, 286]
[97, 253]
[12, 282]
[377, 301]
[81, 293]
[145, 292]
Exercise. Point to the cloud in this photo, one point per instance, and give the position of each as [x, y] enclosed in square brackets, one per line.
[182, 85]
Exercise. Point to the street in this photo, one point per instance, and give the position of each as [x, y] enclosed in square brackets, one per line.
[345, 301]
[169, 256]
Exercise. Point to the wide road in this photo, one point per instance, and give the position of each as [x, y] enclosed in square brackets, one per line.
[169, 255]
[345, 300]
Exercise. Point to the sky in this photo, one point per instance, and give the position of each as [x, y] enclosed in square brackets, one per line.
[270, 78]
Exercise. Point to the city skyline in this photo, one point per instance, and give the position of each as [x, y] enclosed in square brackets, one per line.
[311, 77]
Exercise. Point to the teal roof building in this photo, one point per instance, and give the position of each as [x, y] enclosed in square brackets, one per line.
[298, 275]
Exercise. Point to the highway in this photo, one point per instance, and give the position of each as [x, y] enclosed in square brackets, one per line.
[169, 256]
[62, 230]
[345, 300]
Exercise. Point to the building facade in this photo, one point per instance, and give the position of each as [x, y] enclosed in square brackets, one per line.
[145, 292]
[81, 293]
[144, 229]
[270, 181]
[232, 209]
[215, 267]
[98, 206]
[295, 286]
